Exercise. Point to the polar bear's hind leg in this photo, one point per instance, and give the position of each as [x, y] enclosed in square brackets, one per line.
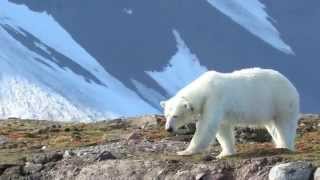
[283, 131]
[272, 131]
[286, 128]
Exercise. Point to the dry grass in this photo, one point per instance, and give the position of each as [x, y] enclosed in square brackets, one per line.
[28, 137]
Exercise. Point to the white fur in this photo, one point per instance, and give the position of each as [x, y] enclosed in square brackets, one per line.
[221, 101]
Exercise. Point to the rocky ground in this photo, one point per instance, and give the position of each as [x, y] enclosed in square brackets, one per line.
[139, 148]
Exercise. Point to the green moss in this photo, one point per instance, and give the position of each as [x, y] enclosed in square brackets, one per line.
[23, 139]
[13, 157]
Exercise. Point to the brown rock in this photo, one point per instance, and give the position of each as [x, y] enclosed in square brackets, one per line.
[134, 136]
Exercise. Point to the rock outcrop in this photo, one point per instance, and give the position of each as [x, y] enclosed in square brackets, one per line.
[291, 171]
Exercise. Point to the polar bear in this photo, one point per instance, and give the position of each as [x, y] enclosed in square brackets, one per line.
[221, 101]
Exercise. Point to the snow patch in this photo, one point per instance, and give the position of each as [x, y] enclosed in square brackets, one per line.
[183, 68]
[128, 11]
[251, 15]
[21, 98]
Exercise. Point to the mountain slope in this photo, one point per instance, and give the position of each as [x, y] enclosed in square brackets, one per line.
[34, 62]
[90, 61]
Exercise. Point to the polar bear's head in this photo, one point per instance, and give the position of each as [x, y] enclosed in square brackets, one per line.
[178, 112]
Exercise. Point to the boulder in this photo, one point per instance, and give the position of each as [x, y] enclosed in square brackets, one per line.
[68, 154]
[47, 157]
[14, 172]
[3, 167]
[256, 169]
[3, 140]
[105, 155]
[31, 168]
[134, 136]
[121, 169]
[291, 171]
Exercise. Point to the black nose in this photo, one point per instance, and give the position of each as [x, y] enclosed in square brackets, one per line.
[170, 129]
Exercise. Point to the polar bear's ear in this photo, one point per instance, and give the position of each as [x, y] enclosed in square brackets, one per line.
[162, 104]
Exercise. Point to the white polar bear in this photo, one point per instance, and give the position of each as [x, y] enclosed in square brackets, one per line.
[221, 101]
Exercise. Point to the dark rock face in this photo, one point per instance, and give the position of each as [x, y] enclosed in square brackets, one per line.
[14, 172]
[105, 155]
[128, 45]
[46, 158]
[31, 168]
[3, 167]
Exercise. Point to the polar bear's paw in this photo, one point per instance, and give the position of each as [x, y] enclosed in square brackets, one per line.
[220, 156]
[185, 153]
[223, 155]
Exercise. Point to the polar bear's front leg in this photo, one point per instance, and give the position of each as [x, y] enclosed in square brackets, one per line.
[225, 137]
[205, 132]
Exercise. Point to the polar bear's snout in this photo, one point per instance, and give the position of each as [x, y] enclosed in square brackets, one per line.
[170, 127]
[178, 112]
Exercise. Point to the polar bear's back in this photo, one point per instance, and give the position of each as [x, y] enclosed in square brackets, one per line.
[257, 74]
[254, 93]
[261, 79]
[260, 93]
